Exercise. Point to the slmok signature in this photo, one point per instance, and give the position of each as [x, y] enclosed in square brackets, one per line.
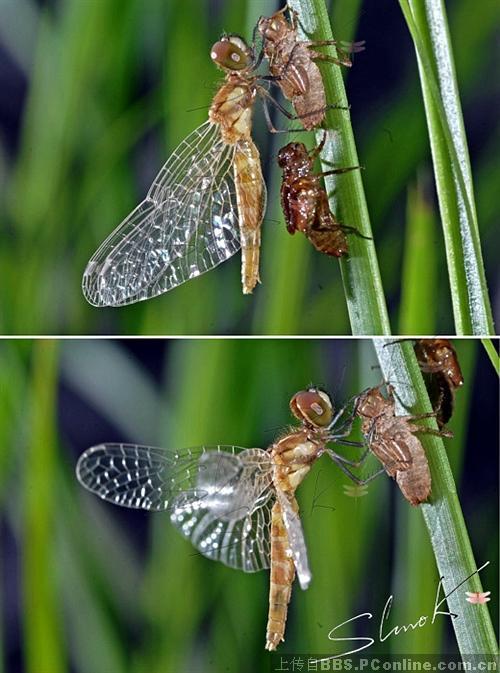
[383, 633]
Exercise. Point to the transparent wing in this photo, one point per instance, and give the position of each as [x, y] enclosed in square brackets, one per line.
[296, 540]
[187, 224]
[220, 498]
[232, 524]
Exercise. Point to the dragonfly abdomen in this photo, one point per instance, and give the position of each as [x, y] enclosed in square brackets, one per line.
[250, 195]
[282, 576]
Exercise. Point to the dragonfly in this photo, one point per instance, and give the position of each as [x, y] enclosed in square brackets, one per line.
[206, 203]
[392, 439]
[292, 62]
[235, 505]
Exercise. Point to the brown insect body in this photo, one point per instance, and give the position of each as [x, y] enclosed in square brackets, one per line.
[232, 109]
[305, 202]
[439, 363]
[292, 62]
[391, 438]
[292, 457]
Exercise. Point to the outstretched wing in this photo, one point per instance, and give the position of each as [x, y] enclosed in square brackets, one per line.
[187, 224]
[219, 498]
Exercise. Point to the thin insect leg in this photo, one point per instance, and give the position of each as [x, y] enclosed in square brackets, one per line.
[343, 58]
[353, 47]
[345, 429]
[353, 230]
[338, 439]
[418, 417]
[395, 341]
[354, 478]
[316, 151]
[430, 431]
[320, 43]
[267, 116]
[341, 411]
[289, 115]
[346, 61]
[337, 171]
[353, 463]
[271, 126]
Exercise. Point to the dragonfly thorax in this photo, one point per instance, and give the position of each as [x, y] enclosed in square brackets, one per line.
[293, 455]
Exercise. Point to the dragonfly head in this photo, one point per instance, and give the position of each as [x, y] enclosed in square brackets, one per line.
[293, 157]
[313, 406]
[232, 53]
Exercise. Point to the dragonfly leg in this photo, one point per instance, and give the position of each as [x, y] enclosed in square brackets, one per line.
[342, 60]
[357, 480]
[341, 411]
[337, 458]
[356, 232]
[337, 171]
[316, 151]
[266, 96]
[424, 430]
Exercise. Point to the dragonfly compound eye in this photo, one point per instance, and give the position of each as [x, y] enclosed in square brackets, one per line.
[312, 406]
[231, 53]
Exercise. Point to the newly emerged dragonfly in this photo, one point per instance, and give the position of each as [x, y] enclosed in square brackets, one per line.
[305, 202]
[235, 505]
[293, 64]
[207, 201]
[392, 439]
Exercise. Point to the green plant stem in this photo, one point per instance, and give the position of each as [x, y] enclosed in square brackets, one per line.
[360, 271]
[418, 306]
[45, 649]
[428, 27]
[492, 354]
[442, 514]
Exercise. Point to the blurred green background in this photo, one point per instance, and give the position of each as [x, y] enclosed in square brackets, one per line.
[92, 588]
[96, 93]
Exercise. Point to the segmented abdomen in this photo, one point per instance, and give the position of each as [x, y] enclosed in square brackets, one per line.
[251, 197]
[415, 483]
[282, 575]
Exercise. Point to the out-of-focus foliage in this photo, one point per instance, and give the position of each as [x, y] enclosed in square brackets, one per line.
[122, 592]
[96, 94]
